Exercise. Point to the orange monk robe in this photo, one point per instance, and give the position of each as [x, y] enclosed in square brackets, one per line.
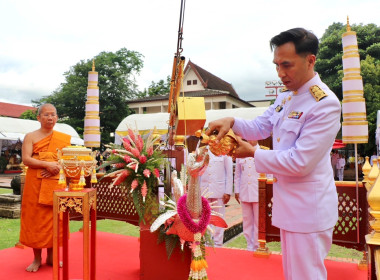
[36, 218]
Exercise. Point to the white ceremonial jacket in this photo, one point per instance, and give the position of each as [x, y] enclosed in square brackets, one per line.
[246, 179]
[303, 131]
[218, 176]
[341, 163]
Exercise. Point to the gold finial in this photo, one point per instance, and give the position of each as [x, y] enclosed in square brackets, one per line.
[348, 25]
[156, 135]
[365, 170]
[373, 173]
[93, 65]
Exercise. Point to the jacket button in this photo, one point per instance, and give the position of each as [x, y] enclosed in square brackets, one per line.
[278, 139]
[274, 179]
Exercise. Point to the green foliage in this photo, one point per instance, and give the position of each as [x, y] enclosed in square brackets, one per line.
[171, 241]
[116, 85]
[29, 115]
[10, 229]
[335, 251]
[329, 66]
[371, 78]
[160, 88]
[5, 190]
[9, 232]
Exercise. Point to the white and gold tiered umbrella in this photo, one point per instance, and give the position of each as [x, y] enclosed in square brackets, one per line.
[355, 124]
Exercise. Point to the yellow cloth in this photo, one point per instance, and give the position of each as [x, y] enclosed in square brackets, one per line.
[36, 218]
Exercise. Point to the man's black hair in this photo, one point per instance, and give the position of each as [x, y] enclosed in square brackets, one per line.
[304, 41]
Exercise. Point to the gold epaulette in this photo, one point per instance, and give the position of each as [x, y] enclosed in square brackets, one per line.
[317, 93]
[284, 89]
[264, 147]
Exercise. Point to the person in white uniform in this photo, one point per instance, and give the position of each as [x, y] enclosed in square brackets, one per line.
[218, 180]
[246, 188]
[340, 164]
[303, 121]
[334, 160]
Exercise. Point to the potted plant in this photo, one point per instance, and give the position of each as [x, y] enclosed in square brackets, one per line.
[16, 185]
[3, 164]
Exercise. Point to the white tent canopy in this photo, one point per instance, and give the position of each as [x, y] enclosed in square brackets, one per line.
[146, 122]
[15, 129]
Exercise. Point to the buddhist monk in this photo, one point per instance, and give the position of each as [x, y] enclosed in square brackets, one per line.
[39, 153]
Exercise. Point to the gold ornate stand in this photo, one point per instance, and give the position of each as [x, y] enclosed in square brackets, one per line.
[84, 202]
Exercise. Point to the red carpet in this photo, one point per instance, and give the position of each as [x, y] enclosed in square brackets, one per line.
[118, 258]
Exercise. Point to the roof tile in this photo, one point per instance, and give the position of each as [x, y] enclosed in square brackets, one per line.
[13, 110]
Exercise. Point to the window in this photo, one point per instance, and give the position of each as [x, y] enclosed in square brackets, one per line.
[222, 105]
[188, 82]
[194, 82]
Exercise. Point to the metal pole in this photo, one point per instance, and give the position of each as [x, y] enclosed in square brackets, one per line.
[357, 194]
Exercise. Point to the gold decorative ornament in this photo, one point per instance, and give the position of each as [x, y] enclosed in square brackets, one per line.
[77, 162]
[366, 169]
[226, 146]
[317, 93]
[179, 140]
[374, 172]
[74, 203]
[156, 136]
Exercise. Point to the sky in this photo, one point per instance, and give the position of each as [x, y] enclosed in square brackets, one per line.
[42, 39]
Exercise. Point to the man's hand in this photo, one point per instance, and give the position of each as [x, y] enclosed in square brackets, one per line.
[237, 197]
[226, 198]
[244, 149]
[52, 168]
[221, 125]
[46, 174]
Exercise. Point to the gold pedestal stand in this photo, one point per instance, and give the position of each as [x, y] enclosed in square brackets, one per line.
[84, 202]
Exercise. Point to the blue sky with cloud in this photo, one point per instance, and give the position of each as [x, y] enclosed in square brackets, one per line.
[41, 39]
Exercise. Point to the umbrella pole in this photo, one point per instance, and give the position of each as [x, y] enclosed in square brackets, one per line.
[357, 193]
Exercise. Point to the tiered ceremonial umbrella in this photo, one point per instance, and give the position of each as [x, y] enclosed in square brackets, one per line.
[92, 121]
[355, 125]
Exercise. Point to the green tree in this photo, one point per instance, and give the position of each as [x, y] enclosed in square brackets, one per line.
[116, 83]
[370, 69]
[29, 115]
[160, 88]
[329, 66]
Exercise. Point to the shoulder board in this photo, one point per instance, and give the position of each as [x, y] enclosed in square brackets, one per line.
[264, 147]
[317, 93]
[284, 89]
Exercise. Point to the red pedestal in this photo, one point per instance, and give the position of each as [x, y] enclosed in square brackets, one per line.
[154, 262]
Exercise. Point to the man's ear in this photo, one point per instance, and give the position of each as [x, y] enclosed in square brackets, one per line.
[311, 59]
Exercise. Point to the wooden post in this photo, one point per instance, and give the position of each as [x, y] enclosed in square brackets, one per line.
[263, 250]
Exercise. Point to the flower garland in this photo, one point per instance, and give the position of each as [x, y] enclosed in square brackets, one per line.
[188, 221]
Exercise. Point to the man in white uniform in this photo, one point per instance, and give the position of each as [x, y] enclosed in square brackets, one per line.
[303, 122]
[246, 192]
[218, 180]
[334, 160]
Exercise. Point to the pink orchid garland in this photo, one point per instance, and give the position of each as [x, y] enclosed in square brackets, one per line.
[188, 221]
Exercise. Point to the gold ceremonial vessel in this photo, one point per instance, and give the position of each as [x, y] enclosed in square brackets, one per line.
[226, 146]
[77, 162]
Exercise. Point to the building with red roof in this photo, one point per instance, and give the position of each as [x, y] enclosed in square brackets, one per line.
[197, 82]
[13, 110]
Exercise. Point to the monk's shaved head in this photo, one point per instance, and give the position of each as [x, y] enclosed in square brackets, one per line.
[43, 106]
